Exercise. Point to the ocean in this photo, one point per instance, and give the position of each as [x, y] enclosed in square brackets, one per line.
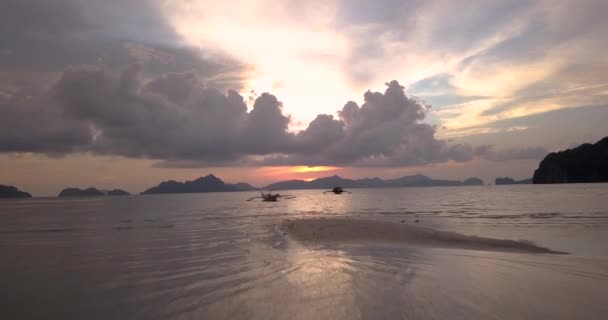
[486, 252]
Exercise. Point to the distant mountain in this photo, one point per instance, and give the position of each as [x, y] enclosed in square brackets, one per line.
[12, 192]
[76, 192]
[91, 192]
[241, 186]
[585, 163]
[509, 180]
[333, 181]
[117, 192]
[473, 182]
[209, 183]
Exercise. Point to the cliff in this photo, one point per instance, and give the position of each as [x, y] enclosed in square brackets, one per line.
[585, 163]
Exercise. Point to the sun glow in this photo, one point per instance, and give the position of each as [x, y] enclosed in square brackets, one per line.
[299, 59]
[273, 174]
[303, 169]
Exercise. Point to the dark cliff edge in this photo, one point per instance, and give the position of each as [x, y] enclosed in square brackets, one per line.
[12, 192]
[407, 181]
[509, 180]
[585, 163]
[209, 183]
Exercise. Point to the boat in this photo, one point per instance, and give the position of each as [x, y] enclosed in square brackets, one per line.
[336, 190]
[271, 197]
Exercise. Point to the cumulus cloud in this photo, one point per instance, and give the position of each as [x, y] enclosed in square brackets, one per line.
[170, 117]
[139, 92]
[37, 124]
[175, 118]
[386, 130]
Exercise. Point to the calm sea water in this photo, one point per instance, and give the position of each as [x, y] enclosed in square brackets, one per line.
[217, 256]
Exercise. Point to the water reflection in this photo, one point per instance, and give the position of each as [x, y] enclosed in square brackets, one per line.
[322, 281]
[353, 282]
[217, 256]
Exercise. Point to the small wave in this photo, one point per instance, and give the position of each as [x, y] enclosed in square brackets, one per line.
[51, 230]
[544, 215]
[389, 213]
[491, 216]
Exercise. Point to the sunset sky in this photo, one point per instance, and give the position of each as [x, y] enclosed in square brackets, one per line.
[128, 93]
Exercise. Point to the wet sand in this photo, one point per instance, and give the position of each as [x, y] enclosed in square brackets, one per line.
[332, 230]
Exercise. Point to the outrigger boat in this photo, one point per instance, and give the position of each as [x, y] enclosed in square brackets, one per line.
[336, 190]
[270, 197]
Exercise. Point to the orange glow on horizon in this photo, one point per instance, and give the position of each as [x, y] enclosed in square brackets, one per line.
[302, 169]
[280, 173]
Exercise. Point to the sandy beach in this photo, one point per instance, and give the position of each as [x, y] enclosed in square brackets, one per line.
[320, 231]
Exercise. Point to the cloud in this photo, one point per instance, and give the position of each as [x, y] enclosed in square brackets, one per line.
[41, 37]
[175, 118]
[492, 60]
[37, 124]
[156, 78]
[387, 130]
[527, 153]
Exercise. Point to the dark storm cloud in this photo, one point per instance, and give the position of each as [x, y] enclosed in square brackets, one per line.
[51, 35]
[47, 35]
[171, 117]
[177, 119]
[36, 124]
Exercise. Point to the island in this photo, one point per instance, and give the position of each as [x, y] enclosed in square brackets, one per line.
[417, 180]
[474, 181]
[76, 192]
[208, 183]
[509, 180]
[585, 163]
[12, 192]
[91, 192]
[117, 192]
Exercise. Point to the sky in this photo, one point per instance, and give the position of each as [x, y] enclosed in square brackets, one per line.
[128, 93]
